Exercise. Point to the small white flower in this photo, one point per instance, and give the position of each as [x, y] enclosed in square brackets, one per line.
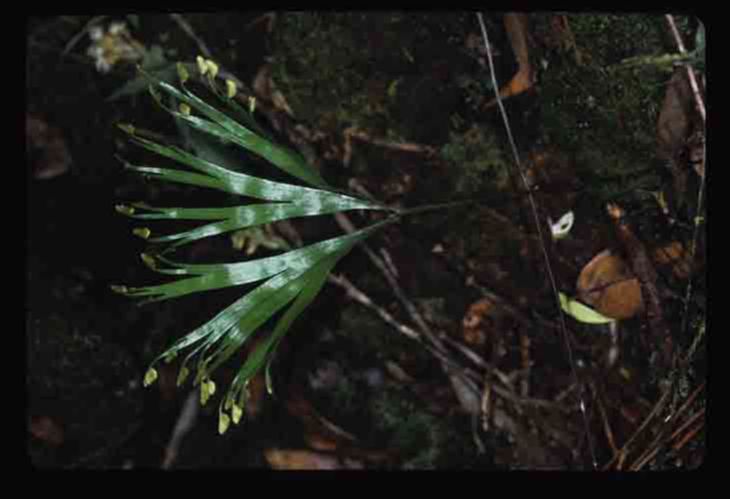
[96, 33]
[95, 51]
[102, 65]
[116, 28]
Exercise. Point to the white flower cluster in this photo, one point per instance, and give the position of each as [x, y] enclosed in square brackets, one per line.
[114, 45]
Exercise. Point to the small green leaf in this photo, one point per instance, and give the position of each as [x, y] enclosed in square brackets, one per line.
[581, 312]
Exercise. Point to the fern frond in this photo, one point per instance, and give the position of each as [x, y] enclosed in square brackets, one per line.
[291, 279]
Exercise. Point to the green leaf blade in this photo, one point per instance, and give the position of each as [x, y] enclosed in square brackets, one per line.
[581, 312]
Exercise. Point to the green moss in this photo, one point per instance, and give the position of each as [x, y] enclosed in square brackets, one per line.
[85, 384]
[374, 337]
[591, 106]
[381, 72]
[476, 159]
[424, 440]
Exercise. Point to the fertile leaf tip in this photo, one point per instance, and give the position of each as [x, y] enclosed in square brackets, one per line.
[142, 232]
[182, 375]
[236, 412]
[148, 260]
[212, 68]
[223, 423]
[202, 66]
[207, 389]
[150, 376]
[230, 89]
[124, 209]
[126, 127]
[121, 289]
[182, 72]
[269, 384]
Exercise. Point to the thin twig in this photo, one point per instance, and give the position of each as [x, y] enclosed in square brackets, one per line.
[690, 72]
[188, 29]
[653, 448]
[688, 436]
[687, 403]
[538, 225]
[687, 423]
[701, 109]
[76, 38]
[693, 247]
[643, 460]
[185, 422]
[413, 312]
[606, 424]
[354, 293]
[486, 405]
[624, 449]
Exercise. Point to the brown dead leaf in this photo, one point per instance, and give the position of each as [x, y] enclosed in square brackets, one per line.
[477, 321]
[675, 255]
[321, 434]
[318, 430]
[45, 429]
[607, 284]
[53, 158]
[256, 395]
[293, 459]
[517, 31]
[673, 125]
[265, 88]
